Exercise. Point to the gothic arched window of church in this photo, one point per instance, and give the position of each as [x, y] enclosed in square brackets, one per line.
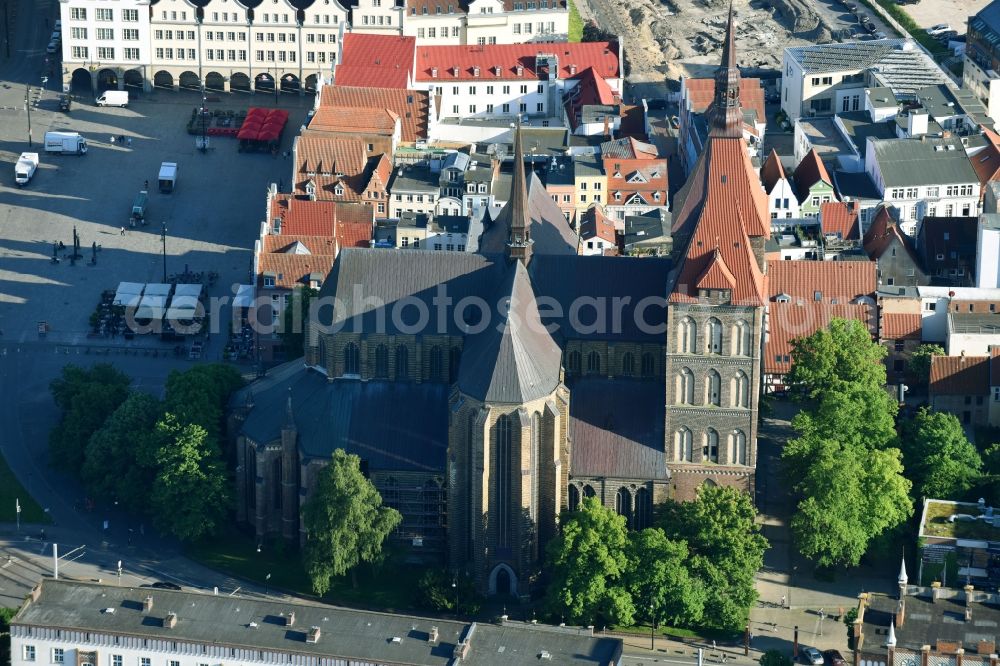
[573, 362]
[741, 338]
[454, 358]
[628, 364]
[685, 387]
[436, 364]
[713, 388]
[687, 333]
[643, 509]
[710, 452]
[503, 471]
[593, 363]
[623, 505]
[682, 445]
[713, 336]
[574, 498]
[738, 448]
[741, 390]
[382, 361]
[648, 365]
[352, 359]
[588, 491]
[402, 362]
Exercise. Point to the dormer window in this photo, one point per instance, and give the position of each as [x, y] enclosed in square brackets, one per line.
[434, 72]
[338, 190]
[520, 70]
[475, 71]
[455, 70]
[269, 280]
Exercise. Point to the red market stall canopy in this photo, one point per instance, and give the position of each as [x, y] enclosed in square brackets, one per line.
[263, 125]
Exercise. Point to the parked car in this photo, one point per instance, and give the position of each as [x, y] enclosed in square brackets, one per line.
[872, 28]
[935, 29]
[834, 658]
[65, 102]
[943, 37]
[879, 35]
[851, 7]
[811, 655]
[161, 585]
[51, 48]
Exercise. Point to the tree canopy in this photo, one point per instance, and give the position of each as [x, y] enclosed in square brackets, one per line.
[726, 549]
[86, 396]
[940, 461]
[199, 395]
[843, 465]
[919, 365]
[190, 495]
[657, 577]
[345, 521]
[587, 564]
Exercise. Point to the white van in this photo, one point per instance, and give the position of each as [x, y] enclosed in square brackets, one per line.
[113, 98]
[68, 143]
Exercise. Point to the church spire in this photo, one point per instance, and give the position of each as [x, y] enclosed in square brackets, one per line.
[727, 117]
[518, 233]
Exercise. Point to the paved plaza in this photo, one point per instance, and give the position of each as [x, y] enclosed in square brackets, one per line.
[212, 218]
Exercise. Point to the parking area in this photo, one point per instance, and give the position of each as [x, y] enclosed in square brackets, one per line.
[211, 219]
[953, 12]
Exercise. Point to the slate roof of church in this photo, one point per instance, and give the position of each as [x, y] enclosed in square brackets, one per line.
[350, 414]
[550, 232]
[514, 359]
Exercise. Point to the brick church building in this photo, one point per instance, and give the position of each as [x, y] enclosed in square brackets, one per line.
[488, 392]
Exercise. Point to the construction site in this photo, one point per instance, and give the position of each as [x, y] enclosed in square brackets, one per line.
[674, 38]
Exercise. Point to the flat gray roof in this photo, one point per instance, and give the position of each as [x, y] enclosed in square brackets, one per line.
[914, 162]
[896, 64]
[824, 137]
[259, 624]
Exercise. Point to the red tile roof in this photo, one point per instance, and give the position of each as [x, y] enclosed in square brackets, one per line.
[810, 171]
[986, 163]
[591, 90]
[772, 171]
[701, 92]
[357, 120]
[594, 222]
[840, 218]
[716, 275]
[329, 161]
[653, 172]
[960, 375]
[412, 106]
[291, 270]
[900, 325]
[286, 244]
[791, 321]
[602, 56]
[883, 234]
[377, 61]
[720, 207]
[428, 7]
[836, 281]
[350, 223]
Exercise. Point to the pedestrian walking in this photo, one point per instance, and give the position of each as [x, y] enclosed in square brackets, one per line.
[146, 186]
[713, 643]
[123, 231]
[121, 139]
[128, 140]
[782, 601]
[112, 140]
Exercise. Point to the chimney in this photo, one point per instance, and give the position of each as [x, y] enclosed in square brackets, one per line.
[916, 123]
[959, 656]
[925, 655]
[432, 637]
[312, 636]
[968, 602]
[290, 619]
[945, 134]
[170, 621]
[147, 604]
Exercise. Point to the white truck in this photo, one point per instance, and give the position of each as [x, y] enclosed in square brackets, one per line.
[25, 168]
[65, 142]
[168, 177]
[113, 98]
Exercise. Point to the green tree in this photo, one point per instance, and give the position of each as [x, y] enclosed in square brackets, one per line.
[940, 461]
[662, 589]
[849, 495]
[86, 396]
[440, 590]
[991, 459]
[919, 365]
[774, 658]
[726, 548]
[199, 395]
[841, 353]
[121, 456]
[345, 521]
[190, 494]
[587, 564]
[295, 321]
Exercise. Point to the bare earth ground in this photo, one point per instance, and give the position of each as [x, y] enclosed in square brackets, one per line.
[954, 12]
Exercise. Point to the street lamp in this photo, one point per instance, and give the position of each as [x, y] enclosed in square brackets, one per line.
[119, 573]
[267, 579]
[163, 238]
[652, 629]
[27, 107]
[454, 590]
[204, 121]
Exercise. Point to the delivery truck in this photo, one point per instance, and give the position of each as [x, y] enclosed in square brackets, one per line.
[25, 168]
[168, 177]
[70, 143]
[113, 98]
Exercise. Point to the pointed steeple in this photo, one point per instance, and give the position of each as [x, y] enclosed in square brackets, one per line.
[891, 640]
[727, 117]
[289, 416]
[518, 234]
[903, 579]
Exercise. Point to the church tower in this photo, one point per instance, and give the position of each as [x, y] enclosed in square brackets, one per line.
[718, 295]
[519, 236]
[507, 447]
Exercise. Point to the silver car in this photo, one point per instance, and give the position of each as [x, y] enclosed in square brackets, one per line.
[811, 655]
